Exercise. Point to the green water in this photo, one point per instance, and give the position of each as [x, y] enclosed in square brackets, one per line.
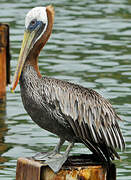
[90, 45]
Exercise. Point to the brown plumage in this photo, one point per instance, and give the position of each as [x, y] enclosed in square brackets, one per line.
[73, 112]
[91, 117]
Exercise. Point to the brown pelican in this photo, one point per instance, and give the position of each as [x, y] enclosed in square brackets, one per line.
[74, 113]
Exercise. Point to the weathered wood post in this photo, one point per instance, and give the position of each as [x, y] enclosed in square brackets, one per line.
[76, 168]
[4, 60]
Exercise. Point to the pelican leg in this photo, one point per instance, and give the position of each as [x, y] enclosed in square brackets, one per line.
[56, 162]
[46, 155]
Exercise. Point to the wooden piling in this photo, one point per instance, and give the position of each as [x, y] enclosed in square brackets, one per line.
[4, 59]
[75, 168]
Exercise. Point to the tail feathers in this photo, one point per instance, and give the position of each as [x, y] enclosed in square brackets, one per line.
[102, 151]
[109, 152]
[95, 149]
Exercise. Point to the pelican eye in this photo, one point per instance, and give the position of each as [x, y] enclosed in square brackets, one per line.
[34, 24]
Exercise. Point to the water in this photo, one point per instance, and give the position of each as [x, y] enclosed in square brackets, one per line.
[90, 45]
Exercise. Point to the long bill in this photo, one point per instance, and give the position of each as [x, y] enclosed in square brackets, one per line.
[27, 44]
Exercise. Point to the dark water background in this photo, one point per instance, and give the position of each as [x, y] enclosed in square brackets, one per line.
[90, 45]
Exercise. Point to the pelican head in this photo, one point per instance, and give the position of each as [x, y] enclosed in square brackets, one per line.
[38, 27]
[35, 23]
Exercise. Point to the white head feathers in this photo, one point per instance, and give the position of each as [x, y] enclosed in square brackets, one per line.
[38, 13]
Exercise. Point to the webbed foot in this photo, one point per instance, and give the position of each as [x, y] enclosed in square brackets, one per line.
[56, 162]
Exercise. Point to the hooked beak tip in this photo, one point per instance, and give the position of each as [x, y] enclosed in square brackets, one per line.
[12, 90]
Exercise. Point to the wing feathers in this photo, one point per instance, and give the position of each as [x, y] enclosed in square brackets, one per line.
[91, 117]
